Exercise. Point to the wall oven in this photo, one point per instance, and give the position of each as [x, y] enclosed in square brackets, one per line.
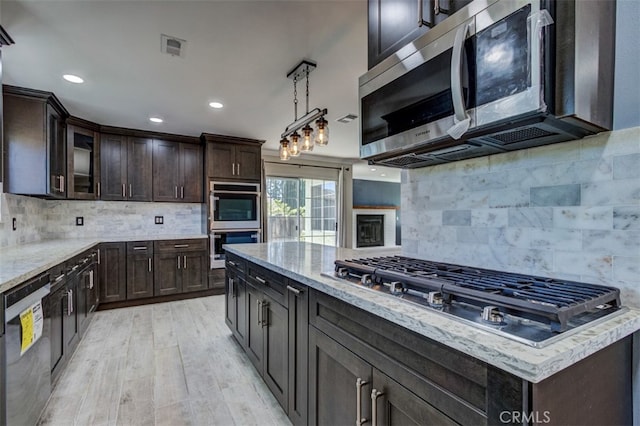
[234, 205]
[496, 76]
[221, 237]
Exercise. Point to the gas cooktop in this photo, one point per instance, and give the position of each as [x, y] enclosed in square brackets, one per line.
[533, 310]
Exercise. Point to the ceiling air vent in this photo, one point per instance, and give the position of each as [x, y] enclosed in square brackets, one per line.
[173, 46]
[347, 118]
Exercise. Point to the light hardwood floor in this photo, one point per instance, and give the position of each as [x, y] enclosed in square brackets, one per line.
[165, 364]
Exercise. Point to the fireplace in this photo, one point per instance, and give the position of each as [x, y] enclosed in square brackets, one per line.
[369, 230]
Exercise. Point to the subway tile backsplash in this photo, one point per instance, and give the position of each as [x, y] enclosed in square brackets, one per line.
[569, 210]
[39, 219]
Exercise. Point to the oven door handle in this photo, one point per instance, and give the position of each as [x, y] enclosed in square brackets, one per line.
[256, 193]
[461, 119]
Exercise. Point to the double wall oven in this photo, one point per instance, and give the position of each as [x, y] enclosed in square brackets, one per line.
[234, 217]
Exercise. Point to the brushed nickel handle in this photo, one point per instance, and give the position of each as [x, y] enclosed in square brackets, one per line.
[265, 314]
[184, 262]
[178, 262]
[231, 262]
[124, 191]
[149, 264]
[175, 191]
[375, 394]
[260, 280]
[294, 290]
[69, 302]
[98, 189]
[90, 280]
[59, 278]
[182, 192]
[421, 21]
[181, 245]
[233, 169]
[259, 312]
[130, 191]
[359, 384]
[140, 248]
[98, 256]
[238, 169]
[61, 183]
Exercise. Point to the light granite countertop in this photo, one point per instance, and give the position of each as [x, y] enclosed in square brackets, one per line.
[306, 263]
[22, 262]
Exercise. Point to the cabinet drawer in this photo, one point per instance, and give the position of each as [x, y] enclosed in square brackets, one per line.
[236, 263]
[271, 283]
[165, 246]
[140, 247]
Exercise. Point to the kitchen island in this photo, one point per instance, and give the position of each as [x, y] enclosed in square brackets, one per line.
[540, 369]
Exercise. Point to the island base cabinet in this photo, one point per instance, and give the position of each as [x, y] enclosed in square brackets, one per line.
[235, 306]
[339, 383]
[255, 335]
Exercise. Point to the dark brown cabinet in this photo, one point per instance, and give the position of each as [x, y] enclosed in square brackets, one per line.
[112, 271]
[236, 299]
[234, 159]
[83, 160]
[181, 266]
[35, 144]
[57, 310]
[126, 168]
[298, 352]
[395, 23]
[177, 171]
[87, 289]
[139, 269]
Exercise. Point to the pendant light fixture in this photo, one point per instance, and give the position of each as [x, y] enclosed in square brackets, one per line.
[310, 137]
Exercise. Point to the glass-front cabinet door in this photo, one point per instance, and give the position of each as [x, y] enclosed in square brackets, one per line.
[83, 148]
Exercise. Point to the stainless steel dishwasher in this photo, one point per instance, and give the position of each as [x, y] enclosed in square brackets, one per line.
[27, 352]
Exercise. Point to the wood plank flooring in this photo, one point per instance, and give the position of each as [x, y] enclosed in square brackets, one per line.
[168, 364]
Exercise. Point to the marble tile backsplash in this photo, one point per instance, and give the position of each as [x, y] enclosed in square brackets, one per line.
[569, 210]
[49, 219]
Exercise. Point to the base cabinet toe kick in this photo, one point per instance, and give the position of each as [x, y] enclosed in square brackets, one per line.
[328, 362]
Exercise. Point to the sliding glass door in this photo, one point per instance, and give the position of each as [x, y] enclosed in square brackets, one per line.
[301, 209]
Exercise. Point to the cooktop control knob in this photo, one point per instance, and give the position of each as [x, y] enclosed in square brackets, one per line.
[434, 298]
[492, 314]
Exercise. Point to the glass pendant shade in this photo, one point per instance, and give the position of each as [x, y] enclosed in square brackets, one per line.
[307, 139]
[294, 146]
[322, 132]
[284, 149]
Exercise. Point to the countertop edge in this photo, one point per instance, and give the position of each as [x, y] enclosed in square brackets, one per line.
[544, 362]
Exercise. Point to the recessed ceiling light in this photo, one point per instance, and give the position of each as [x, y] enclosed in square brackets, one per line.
[216, 105]
[73, 78]
[156, 119]
[373, 169]
[382, 174]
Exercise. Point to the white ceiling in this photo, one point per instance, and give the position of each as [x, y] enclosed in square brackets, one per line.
[238, 52]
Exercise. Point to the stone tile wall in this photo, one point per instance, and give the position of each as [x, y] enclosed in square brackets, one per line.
[569, 210]
[39, 219]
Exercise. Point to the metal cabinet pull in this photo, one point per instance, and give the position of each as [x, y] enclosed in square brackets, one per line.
[421, 21]
[438, 10]
[98, 191]
[231, 262]
[124, 191]
[140, 248]
[259, 312]
[260, 280]
[184, 262]
[359, 384]
[90, 280]
[238, 169]
[178, 262]
[182, 192]
[175, 191]
[69, 302]
[181, 245]
[61, 183]
[233, 169]
[59, 278]
[149, 264]
[294, 290]
[265, 314]
[98, 256]
[230, 287]
[130, 191]
[374, 406]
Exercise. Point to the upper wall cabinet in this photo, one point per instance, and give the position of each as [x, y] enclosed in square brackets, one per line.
[126, 167]
[177, 171]
[233, 159]
[394, 23]
[34, 135]
[83, 159]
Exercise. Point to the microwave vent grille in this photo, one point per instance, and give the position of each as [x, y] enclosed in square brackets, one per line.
[520, 135]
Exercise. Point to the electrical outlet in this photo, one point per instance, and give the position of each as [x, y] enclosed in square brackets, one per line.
[159, 220]
[14, 224]
[79, 221]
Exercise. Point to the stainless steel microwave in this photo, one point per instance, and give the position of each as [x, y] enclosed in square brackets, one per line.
[496, 76]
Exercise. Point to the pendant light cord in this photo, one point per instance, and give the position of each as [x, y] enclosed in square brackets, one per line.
[295, 99]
